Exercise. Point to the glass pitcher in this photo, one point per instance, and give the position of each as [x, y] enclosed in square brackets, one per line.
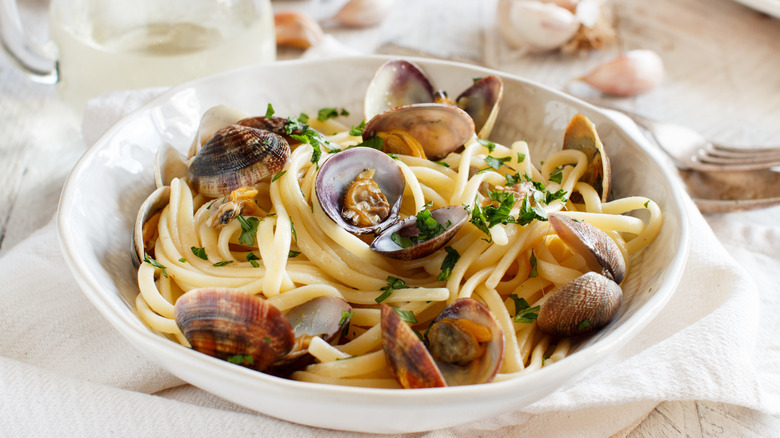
[104, 45]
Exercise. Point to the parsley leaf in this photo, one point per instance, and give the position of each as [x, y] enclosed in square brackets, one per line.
[523, 311]
[647, 203]
[252, 259]
[402, 241]
[199, 252]
[242, 359]
[222, 263]
[557, 175]
[393, 283]
[373, 142]
[278, 175]
[248, 229]
[496, 163]
[487, 143]
[345, 316]
[357, 131]
[330, 113]
[534, 272]
[269, 111]
[442, 163]
[428, 226]
[583, 325]
[183, 260]
[292, 254]
[448, 263]
[156, 264]
[292, 230]
[520, 157]
[405, 315]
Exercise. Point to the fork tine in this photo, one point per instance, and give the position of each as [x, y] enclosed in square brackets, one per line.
[710, 163]
[721, 149]
[714, 153]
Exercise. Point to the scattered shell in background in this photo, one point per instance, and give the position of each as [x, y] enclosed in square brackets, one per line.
[631, 73]
[297, 30]
[363, 13]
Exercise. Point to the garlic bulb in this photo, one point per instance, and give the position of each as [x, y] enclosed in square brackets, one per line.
[363, 13]
[633, 72]
[296, 30]
[534, 25]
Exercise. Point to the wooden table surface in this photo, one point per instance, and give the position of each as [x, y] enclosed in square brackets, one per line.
[723, 78]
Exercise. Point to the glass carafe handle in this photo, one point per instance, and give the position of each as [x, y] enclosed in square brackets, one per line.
[38, 61]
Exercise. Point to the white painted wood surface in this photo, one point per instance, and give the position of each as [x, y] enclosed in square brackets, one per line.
[723, 78]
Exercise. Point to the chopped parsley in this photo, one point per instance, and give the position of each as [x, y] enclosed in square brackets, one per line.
[278, 175]
[427, 226]
[345, 316]
[252, 259]
[303, 117]
[373, 142]
[269, 111]
[222, 263]
[523, 311]
[405, 315]
[292, 230]
[357, 131]
[534, 272]
[155, 263]
[583, 325]
[199, 252]
[442, 163]
[647, 203]
[242, 359]
[520, 157]
[293, 254]
[330, 113]
[487, 143]
[183, 260]
[393, 283]
[448, 263]
[496, 163]
[557, 175]
[248, 229]
[304, 133]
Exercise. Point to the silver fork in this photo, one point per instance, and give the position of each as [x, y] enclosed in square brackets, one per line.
[690, 150]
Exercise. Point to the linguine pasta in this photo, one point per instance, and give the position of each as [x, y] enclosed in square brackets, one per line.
[299, 253]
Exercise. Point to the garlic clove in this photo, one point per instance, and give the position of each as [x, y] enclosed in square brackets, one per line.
[294, 29]
[631, 73]
[535, 26]
[363, 13]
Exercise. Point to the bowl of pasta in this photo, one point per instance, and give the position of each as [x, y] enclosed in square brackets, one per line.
[350, 271]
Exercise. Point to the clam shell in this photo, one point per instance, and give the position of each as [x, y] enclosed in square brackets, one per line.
[482, 102]
[482, 369]
[152, 205]
[581, 135]
[581, 306]
[214, 119]
[406, 355]
[396, 83]
[168, 164]
[322, 316]
[383, 244]
[440, 128]
[601, 253]
[237, 156]
[225, 323]
[340, 170]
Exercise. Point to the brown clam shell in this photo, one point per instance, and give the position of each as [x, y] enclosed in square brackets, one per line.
[456, 215]
[237, 156]
[481, 101]
[601, 253]
[226, 323]
[581, 306]
[406, 355]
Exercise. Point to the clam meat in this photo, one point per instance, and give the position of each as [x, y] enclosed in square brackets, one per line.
[465, 347]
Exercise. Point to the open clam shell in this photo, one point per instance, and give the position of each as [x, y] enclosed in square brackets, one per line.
[440, 128]
[396, 83]
[451, 218]
[340, 170]
[466, 347]
[581, 135]
[168, 164]
[601, 253]
[581, 306]
[214, 119]
[152, 205]
[237, 156]
[482, 102]
[232, 325]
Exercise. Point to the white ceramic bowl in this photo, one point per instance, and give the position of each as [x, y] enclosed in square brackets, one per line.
[102, 195]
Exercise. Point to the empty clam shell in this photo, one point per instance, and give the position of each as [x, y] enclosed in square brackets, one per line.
[340, 170]
[581, 306]
[396, 83]
[482, 101]
[451, 218]
[581, 135]
[601, 253]
[322, 316]
[168, 164]
[237, 156]
[440, 128]
[233, 325]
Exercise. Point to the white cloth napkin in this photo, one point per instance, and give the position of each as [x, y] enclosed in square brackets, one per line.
[65, 371]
